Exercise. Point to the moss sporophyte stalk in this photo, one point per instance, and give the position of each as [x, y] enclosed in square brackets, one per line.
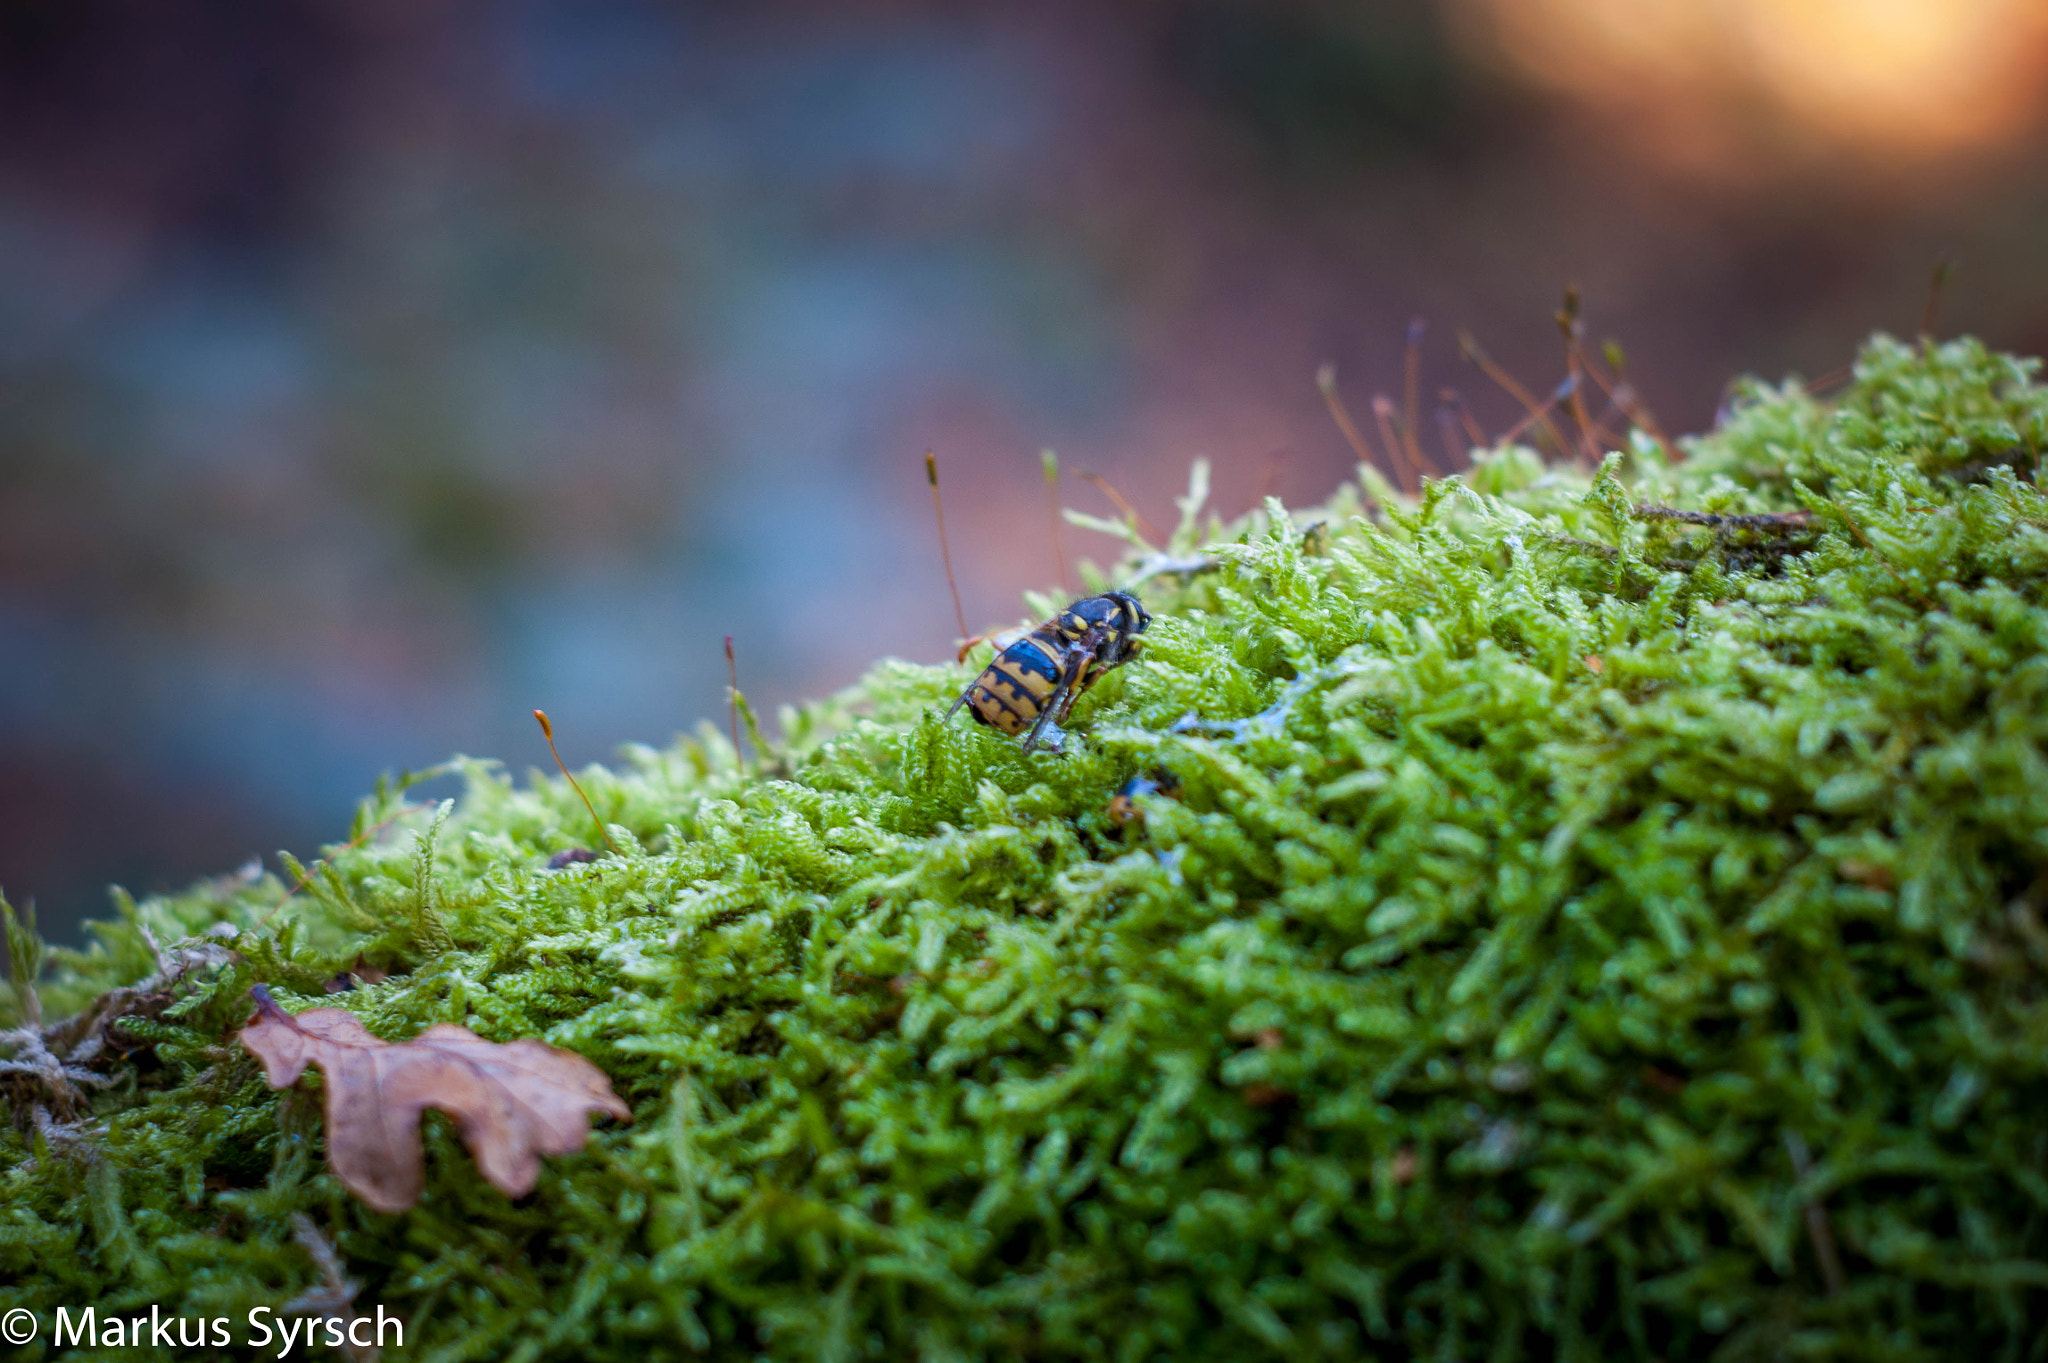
[1585, 914]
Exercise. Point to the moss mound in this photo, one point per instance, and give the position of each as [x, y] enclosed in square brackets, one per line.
[1601, 915]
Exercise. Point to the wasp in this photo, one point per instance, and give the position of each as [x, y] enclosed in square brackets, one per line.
[1035, 681]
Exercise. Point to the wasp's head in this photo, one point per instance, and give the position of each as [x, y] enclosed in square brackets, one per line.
[1114, 613]
[1136, 617]
[1116, 619]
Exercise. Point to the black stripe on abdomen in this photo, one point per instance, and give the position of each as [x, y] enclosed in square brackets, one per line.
[1028, 655]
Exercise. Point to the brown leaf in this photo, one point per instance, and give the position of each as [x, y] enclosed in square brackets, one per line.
[513, 1102]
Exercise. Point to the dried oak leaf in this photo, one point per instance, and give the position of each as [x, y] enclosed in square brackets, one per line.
[513, 1102]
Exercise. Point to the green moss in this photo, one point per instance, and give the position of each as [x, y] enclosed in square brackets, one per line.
[1569, 916]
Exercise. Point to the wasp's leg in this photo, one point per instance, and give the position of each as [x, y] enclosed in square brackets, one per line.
[1074, 692]
[1057, 701]
[1062, 699]
[1081, 658]
[1003, 637]
[964, 697]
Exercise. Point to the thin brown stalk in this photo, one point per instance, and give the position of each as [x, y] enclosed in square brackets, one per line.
[1469, 349]
[732, 694]
[1621, 394]
[931, 475]
[1326, 384]
[548, 732]
[1130, 512]
[1384, 413]
[1542, 414]
[358, 840]
[1937, 285]
[1474, 432]
[1050, 464]
[1411, 393]
[1568, 325]
[1447, 430]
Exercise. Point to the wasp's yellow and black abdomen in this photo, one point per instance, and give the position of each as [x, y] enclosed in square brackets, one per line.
[1013, 688]
[1033, 683]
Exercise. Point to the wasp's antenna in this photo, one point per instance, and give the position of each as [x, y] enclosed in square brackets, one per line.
[548, 732]
[1937, 284]
[1326, 384]
[1474, 432]
[1569, 327]
[1469, 349]
[931, 475]
[1130, 512]
[1050, 464]
[732, 695]
[1411, 392]
[1384, 413]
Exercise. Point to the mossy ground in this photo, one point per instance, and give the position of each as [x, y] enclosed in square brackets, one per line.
[1571, 918]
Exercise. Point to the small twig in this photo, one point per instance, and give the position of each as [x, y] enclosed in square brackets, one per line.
[1593, 547]
[1773, 520]
[548, 732]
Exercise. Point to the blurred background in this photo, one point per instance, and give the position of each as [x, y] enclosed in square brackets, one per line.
[372, 373]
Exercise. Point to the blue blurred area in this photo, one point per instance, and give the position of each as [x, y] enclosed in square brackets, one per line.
[372, 374]
[589, 338]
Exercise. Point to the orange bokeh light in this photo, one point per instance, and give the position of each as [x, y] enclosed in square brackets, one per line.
[1717, 83]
